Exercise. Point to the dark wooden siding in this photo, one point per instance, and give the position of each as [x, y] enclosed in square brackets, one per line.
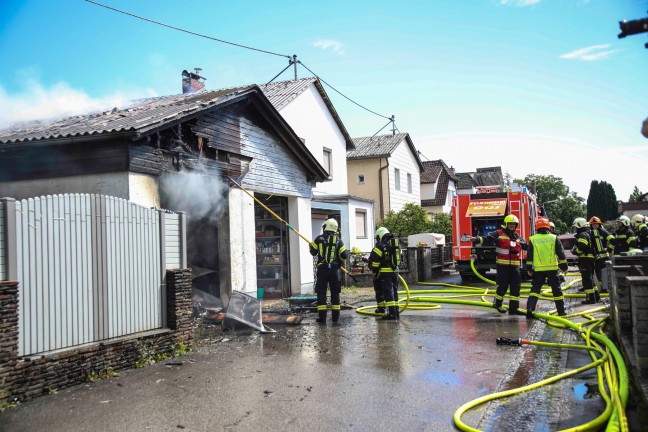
[38, 161]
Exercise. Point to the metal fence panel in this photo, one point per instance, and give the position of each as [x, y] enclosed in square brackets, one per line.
[89, 267]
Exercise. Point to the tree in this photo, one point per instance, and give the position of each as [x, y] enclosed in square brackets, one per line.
[602, 201]
[561, 205]
[635, 195]
[412, 219]
[442, 224]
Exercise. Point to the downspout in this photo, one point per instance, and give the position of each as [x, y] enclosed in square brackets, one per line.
[380, 187]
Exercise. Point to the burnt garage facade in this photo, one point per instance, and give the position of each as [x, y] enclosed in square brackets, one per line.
[179, 153]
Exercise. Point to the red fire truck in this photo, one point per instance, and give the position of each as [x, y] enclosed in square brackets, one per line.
[480, 213]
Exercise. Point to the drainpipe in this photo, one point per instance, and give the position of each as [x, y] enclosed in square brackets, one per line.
[380, 187]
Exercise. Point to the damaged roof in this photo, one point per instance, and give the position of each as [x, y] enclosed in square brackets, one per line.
[380, 146]
[137, 118]
[491, 176]
[281, 93]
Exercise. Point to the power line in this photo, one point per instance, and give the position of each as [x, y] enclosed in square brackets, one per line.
[347, 98]
[186, 31]
[292, 60]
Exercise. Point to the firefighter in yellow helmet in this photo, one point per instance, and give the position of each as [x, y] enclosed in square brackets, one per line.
[331, 253]
[384, 261]
[508, 248]
[545, 255]
[584, 250]
[601, 239]
[638, 223]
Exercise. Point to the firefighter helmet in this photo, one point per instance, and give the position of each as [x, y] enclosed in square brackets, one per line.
[542, 223]
[579, 223]
[637, 220]
[380, 233]
[510, 219]
[330, 225]
[624, 220]
[595, 220]
[552, 226]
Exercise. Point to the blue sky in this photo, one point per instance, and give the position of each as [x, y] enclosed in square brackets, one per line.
[535, 86]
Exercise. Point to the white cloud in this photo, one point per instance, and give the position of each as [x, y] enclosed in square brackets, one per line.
[519, 3]
[330, 44]
[577, 163]
[591, 53]
[37, 102]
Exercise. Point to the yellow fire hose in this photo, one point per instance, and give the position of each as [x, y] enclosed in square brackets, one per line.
[611, 370]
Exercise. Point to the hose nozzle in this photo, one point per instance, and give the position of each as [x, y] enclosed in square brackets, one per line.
[508, 341]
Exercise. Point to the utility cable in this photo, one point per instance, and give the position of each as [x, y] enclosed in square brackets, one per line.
[338, 92]
[186, 31]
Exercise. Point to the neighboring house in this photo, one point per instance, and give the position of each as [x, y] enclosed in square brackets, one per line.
[630, 209]
[386, 169]
[483, 180]
[438, 186]
[147, 153]
[309, 111]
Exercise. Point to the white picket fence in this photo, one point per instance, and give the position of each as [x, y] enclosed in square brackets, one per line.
[89, 267]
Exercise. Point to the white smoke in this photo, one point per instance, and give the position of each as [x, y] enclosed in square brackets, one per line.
[198, 195]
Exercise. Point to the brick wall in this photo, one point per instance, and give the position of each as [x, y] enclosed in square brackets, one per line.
[25, 378]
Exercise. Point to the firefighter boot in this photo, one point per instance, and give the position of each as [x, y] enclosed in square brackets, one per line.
[513, 308]
[335, 315]
[597, 296]
[590, 299]
[560, 308]
[497, 304]
[529, 313]
[322, 317]
[392, 314]
[380, 310]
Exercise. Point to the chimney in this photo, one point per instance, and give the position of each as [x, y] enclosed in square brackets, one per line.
[192, 82]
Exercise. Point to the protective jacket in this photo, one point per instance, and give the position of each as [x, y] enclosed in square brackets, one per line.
[642, 236]
[383, 257]
[330, 250]
[624, 239]
[545, 252]
[584, 248]
[508, 246]
[601, 239]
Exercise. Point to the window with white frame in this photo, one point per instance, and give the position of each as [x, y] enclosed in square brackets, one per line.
[396, 178]
[409, 183]
[327, 161]
[361, 223]
[361, 179]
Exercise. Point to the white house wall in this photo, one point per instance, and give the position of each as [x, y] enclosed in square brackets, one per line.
[311, 120]
[242, 242]
[364, 243]
[403, 159]
[301, 261]
[111, 184]
[144, 189]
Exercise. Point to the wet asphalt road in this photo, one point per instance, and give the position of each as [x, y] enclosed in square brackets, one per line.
[362, 374]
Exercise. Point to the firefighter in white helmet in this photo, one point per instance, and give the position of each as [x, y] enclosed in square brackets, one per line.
[638, 223]
[586, 253]
[384, 261]
[331, 253]
[624, 237]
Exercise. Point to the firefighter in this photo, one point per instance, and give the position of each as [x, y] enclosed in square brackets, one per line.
[552, 230]
[638, 223]
[584, 250]
[331, 253]
[601, 238]
[384, 261]
[624, 237]
[545, 255]
[508, 248]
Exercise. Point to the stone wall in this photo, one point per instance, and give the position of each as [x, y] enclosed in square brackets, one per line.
[23, 378]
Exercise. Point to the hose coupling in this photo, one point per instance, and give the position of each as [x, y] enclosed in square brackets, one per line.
[508, 341]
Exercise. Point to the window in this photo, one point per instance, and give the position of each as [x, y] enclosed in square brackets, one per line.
[397, 178]
[328, 160]
[361, 224]
[360, 178]
[409, 183]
